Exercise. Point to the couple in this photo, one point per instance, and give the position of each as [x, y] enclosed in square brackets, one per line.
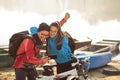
[54, 35]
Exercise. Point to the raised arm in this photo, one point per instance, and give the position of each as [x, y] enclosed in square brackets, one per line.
[66, 17]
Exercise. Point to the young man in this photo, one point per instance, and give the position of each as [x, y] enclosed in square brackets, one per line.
[31, 49]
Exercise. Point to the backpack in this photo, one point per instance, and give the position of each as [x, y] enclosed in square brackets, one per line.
[71, 41]
[15, 41]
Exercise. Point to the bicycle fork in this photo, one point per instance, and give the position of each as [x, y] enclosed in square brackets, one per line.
[81, 72]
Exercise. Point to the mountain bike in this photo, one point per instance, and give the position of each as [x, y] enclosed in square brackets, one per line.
[81, 68]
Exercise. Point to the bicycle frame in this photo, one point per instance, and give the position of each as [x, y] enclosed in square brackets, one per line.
[78, 73]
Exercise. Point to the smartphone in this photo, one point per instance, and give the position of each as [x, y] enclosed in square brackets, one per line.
[52, 56]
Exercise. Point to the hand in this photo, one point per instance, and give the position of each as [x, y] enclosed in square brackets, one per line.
[67, 16]
[45, 59]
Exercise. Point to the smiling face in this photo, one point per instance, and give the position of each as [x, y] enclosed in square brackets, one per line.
[43, 35]
[53, 31]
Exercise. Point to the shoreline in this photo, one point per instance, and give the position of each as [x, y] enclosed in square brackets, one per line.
[7, 73]
[97, 74]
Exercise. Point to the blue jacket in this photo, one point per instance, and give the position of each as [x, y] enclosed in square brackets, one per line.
[64, 54]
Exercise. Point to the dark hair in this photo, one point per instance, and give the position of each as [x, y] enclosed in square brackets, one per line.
[60, 33]
[43, 26]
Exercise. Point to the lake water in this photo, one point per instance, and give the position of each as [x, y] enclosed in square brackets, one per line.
[77, 26]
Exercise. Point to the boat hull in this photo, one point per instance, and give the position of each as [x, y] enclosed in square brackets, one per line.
[96, 60]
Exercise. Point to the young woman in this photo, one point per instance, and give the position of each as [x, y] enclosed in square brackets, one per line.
[58, 44]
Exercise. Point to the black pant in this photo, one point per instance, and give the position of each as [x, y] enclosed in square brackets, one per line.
[63, 68]
[22, 73]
